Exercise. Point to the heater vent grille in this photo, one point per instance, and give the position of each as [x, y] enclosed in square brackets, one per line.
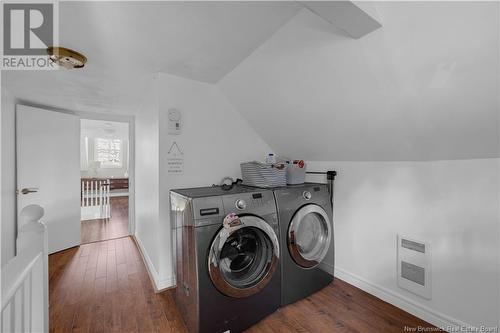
[411, 245]
[413, 273]
[414, 266]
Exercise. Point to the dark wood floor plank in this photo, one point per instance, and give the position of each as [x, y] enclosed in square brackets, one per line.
[102, 260]
[364, 313]
[351, 319]
[85, 250]
[120, 253]
[104, 229]
[144, 321]
[76, 283]
[97, 308]
[172, 313]
[83, 317]
[383, 309]
[104, 287]
[111, 274]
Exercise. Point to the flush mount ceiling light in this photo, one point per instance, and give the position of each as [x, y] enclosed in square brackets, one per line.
[66, 58]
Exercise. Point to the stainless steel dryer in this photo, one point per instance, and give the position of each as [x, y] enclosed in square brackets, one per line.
[227, 278]
[306, 233]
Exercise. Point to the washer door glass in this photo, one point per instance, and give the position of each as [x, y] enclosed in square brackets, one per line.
[309, 236]
[243, 258]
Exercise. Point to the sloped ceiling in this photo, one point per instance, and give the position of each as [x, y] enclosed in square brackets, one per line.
[423, 87]
[127, 41]
[198, 40]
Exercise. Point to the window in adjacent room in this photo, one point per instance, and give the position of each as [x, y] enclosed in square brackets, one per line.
[109, 152]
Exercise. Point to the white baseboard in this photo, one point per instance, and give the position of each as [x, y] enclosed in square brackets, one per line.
[165, 284]
[423, 312]
[159, 284]
[118, 194]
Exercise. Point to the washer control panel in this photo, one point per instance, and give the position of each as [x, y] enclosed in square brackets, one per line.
[307, 195]
[257, 203]
[240, 204]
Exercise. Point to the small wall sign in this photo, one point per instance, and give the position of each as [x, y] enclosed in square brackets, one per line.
[175, 159]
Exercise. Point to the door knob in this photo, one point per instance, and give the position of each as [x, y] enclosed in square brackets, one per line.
[29, 190]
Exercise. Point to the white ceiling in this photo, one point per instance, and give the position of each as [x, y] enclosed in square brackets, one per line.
[126, 42]
[197, 40]
[425, 86]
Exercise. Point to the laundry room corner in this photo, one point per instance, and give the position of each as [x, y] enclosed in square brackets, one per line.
[402, 174]
[376, 201]
[212, 141]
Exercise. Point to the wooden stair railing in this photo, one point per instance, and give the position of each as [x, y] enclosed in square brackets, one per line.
[95, 199]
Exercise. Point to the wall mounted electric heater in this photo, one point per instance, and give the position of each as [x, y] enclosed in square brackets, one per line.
[414, 266]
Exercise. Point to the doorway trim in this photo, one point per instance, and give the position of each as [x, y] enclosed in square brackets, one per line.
[130, 119]
[131, 144]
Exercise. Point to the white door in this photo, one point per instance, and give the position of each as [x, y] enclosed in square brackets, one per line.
[48, 171]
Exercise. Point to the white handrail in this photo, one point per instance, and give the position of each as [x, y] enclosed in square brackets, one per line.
[95, 201]
[25, 277]
[17, 271]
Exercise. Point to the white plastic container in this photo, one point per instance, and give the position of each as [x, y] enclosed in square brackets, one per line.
[295, 174]
[271, 158]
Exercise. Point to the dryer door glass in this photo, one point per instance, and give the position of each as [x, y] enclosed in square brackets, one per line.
[309, 236]
[243, 258]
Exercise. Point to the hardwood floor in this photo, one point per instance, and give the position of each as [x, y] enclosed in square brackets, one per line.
[104, 229]
[104, 287]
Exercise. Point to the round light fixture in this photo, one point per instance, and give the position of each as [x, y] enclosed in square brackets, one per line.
[66, 58]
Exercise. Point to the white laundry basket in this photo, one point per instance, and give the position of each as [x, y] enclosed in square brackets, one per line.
[263, 175]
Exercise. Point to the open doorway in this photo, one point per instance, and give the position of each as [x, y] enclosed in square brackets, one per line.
[105, 179]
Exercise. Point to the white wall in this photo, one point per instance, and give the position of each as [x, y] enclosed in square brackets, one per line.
[8, 181]
[214, 140]
[451, 204]
[147, 180]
